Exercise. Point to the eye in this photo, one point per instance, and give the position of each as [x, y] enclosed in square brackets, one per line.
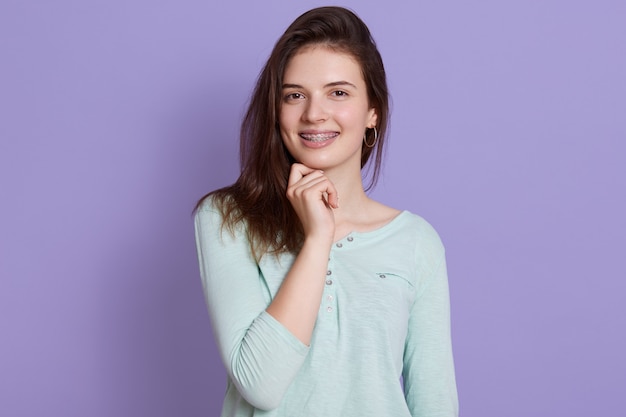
[339, 93]
[294, 96]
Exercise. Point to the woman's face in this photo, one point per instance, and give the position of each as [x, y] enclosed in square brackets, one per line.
[325, 109]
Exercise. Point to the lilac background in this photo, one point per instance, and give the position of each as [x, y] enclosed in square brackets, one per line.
[508, 135]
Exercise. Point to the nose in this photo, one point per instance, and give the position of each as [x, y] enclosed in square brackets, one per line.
[315, 111]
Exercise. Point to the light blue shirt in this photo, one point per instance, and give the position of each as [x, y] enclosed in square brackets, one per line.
[384, 315]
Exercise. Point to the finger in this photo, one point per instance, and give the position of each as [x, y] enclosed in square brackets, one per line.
[314, 176]
[311, 185]
[332, 196]
[298, 171]
[320, 187]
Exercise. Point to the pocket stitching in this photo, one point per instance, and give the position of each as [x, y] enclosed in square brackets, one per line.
[385, 275]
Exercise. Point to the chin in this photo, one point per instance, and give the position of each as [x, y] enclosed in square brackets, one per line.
[315, 164]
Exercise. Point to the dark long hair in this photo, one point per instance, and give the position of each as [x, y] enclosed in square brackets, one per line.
[258, 196]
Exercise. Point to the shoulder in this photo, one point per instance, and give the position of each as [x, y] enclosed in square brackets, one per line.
[214, 232]
[405, 229]
[386, 216]
[208, 213]
[423, 232]
[215, 207]
[208, 204]
[426, 245]
[212, 213]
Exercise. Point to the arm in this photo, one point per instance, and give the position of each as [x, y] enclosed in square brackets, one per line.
[428, 373]
[263, 350]
[261, 356]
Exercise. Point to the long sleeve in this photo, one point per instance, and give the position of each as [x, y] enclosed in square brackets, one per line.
[261, 356]
[428, 368]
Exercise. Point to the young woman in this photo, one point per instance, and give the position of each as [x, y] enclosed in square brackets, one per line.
[324, 302]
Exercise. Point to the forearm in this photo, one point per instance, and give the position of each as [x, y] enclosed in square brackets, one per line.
[429, 378]
[297, 302]
[260, 355]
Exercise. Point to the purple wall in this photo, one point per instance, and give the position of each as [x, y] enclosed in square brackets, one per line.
[508, 132]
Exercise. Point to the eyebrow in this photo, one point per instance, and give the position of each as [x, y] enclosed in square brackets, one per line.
[333, 84]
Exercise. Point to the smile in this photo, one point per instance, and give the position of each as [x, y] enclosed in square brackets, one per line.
[318, 137]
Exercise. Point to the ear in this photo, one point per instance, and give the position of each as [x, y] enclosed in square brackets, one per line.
[372, 118]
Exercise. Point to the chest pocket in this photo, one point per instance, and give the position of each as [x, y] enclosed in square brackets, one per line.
[383, 300]
[393, 287]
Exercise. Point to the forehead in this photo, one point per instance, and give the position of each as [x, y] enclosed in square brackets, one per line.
[322, 63]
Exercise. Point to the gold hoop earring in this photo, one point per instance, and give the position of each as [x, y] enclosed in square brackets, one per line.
[375, 138]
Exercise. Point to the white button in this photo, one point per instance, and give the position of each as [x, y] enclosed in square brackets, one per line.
[329, 309]
[329, 272]
[329, 298]
[339, 245]
[350, 238]
[329, 282]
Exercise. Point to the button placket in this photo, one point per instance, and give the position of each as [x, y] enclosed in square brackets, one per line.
[328, 300]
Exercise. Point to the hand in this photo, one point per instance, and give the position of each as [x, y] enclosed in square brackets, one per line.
[313, 196]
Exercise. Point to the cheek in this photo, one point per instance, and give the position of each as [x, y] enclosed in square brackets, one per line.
[286, 130]
[288, 117]
[281, 119]
[353, 116]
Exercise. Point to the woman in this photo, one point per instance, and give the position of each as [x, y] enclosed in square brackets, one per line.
[321, 298]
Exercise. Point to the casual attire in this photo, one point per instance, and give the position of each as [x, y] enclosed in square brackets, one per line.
[384, 315]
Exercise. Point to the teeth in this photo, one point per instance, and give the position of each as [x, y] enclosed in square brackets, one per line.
[317, 137]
